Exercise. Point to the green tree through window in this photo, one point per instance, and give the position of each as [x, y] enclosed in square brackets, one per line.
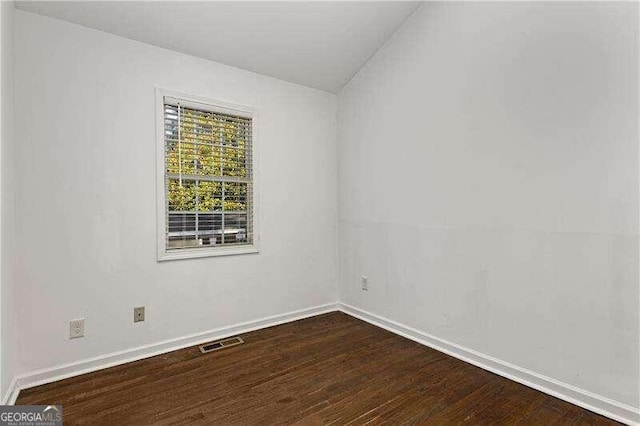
[208, 170]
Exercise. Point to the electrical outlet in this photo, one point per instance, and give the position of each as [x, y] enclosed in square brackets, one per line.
[138, 314]
[364, 283]
[76, 328]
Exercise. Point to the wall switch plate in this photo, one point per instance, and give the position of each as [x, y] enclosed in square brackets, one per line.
[364, 283]
[76, 328]
[138, 314]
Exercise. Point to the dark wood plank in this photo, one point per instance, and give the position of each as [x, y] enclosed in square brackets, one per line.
[329, 369]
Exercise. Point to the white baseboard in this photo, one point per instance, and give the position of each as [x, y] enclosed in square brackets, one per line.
[12, 394]
[53, 374]
[593, 402]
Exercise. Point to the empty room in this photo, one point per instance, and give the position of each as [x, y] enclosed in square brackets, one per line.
[319, 212]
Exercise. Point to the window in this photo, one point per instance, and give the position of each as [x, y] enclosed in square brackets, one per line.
[207, 197]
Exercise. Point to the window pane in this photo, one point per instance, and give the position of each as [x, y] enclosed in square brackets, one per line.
[236, 230]
[210, 196]
[205, 145]
[181, 197]
[235, 196]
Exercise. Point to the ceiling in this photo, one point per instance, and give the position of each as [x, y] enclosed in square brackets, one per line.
[319, 44]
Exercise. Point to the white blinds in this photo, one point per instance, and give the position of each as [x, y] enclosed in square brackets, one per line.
[208, 178]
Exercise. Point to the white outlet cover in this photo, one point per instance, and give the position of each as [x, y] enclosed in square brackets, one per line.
[364, 281]
[76, 328]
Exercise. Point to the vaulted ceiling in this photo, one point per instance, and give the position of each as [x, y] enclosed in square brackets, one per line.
[319, 44]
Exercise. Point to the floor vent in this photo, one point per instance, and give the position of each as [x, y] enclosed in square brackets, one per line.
[220, 344]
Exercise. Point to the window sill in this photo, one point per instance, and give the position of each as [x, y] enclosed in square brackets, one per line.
[208, 252]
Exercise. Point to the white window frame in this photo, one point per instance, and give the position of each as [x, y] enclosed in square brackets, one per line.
[219, 106]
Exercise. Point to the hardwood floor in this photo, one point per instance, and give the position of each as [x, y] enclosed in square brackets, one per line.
[327, 369]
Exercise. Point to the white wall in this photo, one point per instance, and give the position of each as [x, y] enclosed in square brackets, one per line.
[488, 170]
[7, 347]
[85, 157]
